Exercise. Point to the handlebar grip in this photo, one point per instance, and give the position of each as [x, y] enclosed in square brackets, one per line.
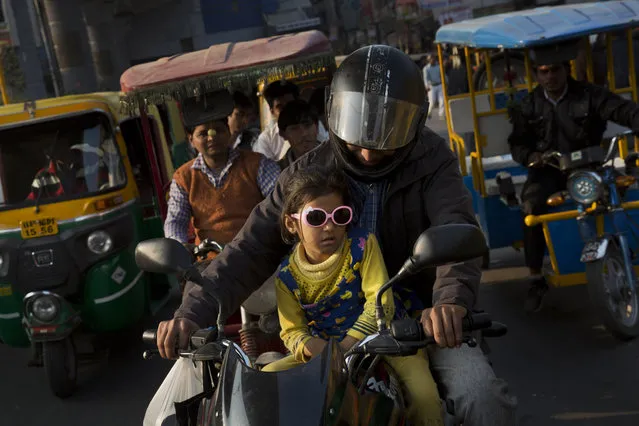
[150, 337]
[476, 322]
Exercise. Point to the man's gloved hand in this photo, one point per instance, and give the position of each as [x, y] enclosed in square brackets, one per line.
[444, 322]
[535, 160]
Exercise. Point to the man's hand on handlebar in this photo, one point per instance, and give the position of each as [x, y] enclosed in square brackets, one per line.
[173, 335]
[444, 323]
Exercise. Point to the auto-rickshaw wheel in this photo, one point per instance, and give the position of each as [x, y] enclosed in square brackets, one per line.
[60, 365]
[614, 302]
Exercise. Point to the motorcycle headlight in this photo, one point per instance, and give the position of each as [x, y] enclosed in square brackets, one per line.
[585, 187]
[45, 308]
[99, 242]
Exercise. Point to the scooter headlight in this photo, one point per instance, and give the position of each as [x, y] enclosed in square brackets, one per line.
[45, 308]
[585, 187]
[99, 242]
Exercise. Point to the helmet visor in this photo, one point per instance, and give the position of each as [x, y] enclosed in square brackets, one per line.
[373, 121]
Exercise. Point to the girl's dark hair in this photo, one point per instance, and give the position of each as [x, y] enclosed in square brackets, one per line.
[305, 185]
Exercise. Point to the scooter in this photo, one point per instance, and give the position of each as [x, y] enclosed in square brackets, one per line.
[599, 192]
[334, 388]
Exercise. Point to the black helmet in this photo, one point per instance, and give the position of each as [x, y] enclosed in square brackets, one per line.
[377, 99]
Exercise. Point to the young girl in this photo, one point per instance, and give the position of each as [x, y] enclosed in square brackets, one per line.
[326, 287]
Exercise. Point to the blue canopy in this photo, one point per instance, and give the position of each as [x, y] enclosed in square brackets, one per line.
[540, 26]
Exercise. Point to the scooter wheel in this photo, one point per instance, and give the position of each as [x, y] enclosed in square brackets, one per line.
[60, 365]
[612, 302]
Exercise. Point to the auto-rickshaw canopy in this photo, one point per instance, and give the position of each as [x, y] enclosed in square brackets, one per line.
[593, 38]
[227, 64]
[541, 26]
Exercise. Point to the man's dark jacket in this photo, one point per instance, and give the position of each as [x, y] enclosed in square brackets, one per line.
[578, 121]
[426, 189]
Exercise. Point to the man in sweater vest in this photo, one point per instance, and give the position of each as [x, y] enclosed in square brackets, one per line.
[218, 189]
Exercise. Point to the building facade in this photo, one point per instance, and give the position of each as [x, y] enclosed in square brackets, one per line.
[77, 46]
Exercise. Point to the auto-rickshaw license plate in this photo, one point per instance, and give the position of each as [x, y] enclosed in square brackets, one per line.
[38, 227]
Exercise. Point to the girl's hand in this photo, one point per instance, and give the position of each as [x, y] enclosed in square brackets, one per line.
[314, 347]
[348, 343]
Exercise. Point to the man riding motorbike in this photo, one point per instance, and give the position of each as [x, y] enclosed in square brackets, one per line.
[403, 179]
[563, 115]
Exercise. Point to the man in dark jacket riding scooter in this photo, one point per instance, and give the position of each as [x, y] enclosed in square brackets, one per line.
[404, 178]
[563, 115]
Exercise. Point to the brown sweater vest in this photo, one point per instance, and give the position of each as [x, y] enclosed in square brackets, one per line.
[220, 213]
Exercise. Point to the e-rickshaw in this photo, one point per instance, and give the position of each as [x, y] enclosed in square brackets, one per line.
[74, 203]
[588, 238]
[304, 58]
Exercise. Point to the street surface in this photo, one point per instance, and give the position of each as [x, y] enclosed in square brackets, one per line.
[563, 367]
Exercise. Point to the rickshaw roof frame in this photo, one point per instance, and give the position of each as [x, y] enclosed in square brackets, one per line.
[540, 26]
[111, 99]
[225, 65]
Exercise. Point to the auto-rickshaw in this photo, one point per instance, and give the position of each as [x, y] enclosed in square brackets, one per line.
[74, 203]
[304, 58]
[478, 126]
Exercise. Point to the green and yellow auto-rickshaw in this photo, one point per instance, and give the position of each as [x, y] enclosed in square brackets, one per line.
[590, 229]
[75, 199]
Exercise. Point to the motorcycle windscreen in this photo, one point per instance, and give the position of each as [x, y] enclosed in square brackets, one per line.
[297, 396]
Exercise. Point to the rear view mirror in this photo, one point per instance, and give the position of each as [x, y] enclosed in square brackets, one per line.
[452, 243]
[162, 256]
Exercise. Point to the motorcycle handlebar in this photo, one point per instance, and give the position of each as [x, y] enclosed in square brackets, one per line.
[150, 337]
[196, 340]
[407, 336]
[410, 330]
[476, 322]
[207, 246]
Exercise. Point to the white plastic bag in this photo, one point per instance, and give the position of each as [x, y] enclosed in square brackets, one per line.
[184, 381]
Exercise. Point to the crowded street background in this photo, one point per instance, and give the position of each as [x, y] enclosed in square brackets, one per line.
[263, 109]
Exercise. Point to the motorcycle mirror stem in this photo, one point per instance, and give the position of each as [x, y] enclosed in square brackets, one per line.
[436, 246]
[169, 256]
[409, 268]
